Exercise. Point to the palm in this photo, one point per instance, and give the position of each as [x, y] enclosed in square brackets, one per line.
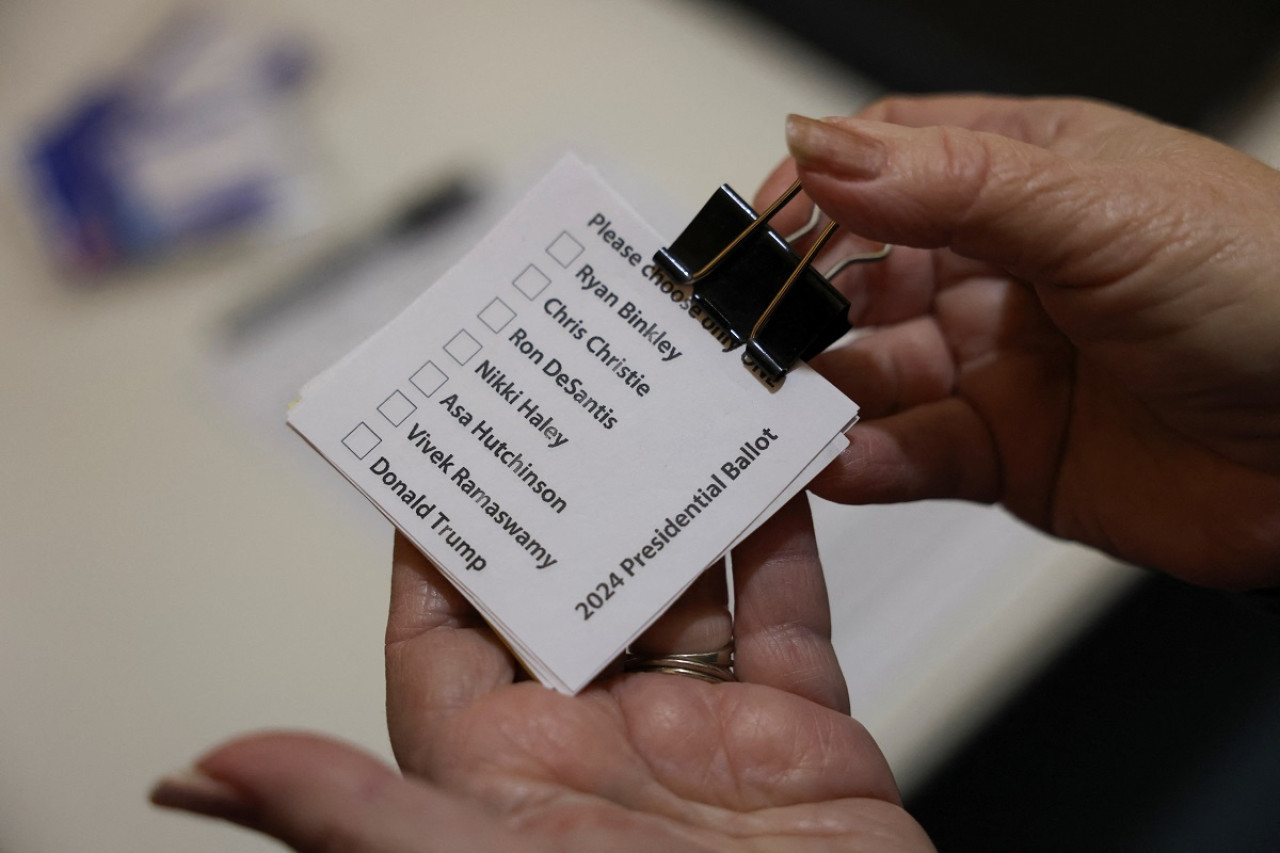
[650, 761]
[642, 761]
[657, 762]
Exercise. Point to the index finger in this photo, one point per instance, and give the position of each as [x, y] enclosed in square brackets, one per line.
[1044, 122]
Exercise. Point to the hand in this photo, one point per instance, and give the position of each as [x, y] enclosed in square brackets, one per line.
[1082, 321]
[638, 762]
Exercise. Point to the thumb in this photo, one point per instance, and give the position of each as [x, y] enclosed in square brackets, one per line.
[317, 794]
[1024, 208]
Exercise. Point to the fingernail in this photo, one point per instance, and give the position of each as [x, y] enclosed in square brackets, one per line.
[193, 791]
[825, 147]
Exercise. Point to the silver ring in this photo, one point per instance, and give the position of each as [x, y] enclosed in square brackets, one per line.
[713, 667]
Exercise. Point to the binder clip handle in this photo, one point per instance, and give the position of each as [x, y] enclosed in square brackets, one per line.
[683, 275]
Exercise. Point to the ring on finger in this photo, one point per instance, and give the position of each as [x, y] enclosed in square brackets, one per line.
[714, 667]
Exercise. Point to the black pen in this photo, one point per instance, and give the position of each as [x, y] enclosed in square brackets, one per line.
[428, 210]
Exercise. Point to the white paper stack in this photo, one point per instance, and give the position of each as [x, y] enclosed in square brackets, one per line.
[555, 427]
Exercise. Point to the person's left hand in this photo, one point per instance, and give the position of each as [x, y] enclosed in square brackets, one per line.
[642, 761]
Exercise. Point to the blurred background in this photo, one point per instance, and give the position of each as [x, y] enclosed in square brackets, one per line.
[201, 206]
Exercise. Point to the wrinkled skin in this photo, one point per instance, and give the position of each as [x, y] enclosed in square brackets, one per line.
[1081, 321]
[640, 762]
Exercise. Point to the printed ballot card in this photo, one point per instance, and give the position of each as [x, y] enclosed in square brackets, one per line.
[556, 426]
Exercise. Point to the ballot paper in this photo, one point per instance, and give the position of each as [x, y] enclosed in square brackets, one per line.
[556, 425]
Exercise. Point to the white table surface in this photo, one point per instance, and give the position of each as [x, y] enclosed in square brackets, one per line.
[171, 575]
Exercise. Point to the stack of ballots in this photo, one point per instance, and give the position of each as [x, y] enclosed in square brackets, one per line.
[557, 428]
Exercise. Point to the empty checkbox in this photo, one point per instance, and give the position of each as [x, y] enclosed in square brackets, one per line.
[531, 282]
[361, 440]
[396, 408]
[564, 249]
[462, 347]
[428, 379]
[496, 315]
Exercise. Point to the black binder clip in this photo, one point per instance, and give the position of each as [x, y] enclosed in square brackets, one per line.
[750, 281]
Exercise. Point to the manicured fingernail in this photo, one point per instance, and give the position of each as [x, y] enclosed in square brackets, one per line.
[193, 791]
[826, 147]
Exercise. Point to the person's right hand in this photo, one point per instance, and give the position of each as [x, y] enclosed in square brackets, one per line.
[1087, 330]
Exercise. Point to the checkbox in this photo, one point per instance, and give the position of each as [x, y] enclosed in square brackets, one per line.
[496, 315]
[428, 379]
[564, 249]
[396, 408]
[531, 282]
[462, 347]
[361, 440]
